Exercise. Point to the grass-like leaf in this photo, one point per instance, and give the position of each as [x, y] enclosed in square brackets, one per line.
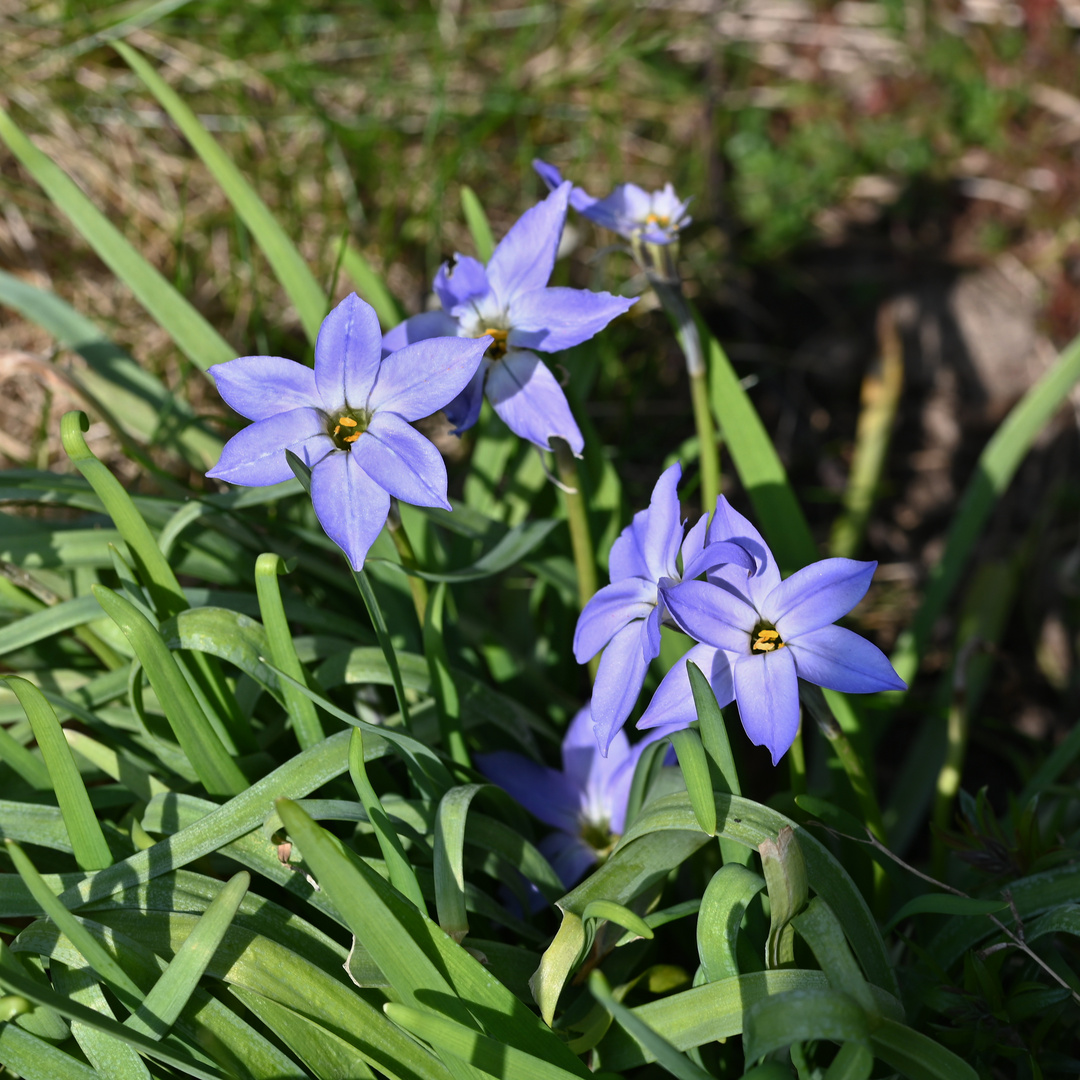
[477, 221]
[288, 264]
[87, 840]
[798, 1015]
[196, 338]
[726, 899]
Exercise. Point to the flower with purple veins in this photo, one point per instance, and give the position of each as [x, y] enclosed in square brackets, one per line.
[624, 618]
[347, 420]
[509, 300]
[776, 632]
[632, 212]
[585, 803]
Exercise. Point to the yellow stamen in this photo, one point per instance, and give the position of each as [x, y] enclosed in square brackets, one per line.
[766, 641]
[497, 348]
[348, 421]
[352, 438]
[657, 219]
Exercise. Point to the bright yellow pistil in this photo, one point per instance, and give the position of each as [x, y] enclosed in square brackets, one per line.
[765, 640]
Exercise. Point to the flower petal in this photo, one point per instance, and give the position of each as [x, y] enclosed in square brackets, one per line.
[402, 461]
[256, 455]
[580, 199]
[525, 256]
[840, 659]
[715, 555]
[544, 792]
[420, 379]
[259, 387]
[693, 544]
[460, 281]
[817, 595]
[347, 354]
[350, 506]
[711, 614]
[649, 544]
[672, 705]
[767, 690]
[570, 856]
[560, 318]
[618, 684]
[589, 772]
[464, 410]
[729, 524]
[531, 402]
[622, 778]
[427, 324]
[609, 610]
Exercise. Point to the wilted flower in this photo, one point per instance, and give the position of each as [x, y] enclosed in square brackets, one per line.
[623, 618]
[509, 301]
[347, 420]
[776, 632]
[632, 212]
[585, 803]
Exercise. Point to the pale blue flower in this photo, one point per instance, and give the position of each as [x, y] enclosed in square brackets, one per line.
[624, 618]
[347, 420]
[776, 632]
[509, 300]
[585, 803]
[634, 213]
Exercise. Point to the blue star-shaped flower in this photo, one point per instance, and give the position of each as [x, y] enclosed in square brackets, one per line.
[623, 618]
[776, 632]
[632, 212]
[509, 301]
[348, 420]
[585, 803]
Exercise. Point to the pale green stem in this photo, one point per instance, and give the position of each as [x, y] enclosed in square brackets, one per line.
[417, 585]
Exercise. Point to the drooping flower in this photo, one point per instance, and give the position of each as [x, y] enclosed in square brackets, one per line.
[776, 632]
[347, 420]
[510, 301]
[623, 618]
[585, 803]
[632, 212]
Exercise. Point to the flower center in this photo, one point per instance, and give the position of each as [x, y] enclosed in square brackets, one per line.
[765, 638]
[658, 219]
[598, 835]
[497, 349]
[346, 426]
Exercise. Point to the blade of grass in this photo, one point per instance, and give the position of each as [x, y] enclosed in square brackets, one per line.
[370, 286]
[288, 265]
[479, 227]
[195, 337]
[87, 840]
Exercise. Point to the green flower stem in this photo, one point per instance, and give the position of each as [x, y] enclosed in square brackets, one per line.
[417, 585]
[669, 292]
[382, 632]
[796, 758]
[577, 515]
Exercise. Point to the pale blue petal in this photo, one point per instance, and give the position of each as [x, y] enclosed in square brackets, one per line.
[622, 778]
[767, 690]
[548, 173]
[693, 545]
[672, 705]
[569, 855]
[588, 771]
[560, 318]
[544, 792]
[721, 553]
[350, 506]
[817, 595]
[256, 455]
[531, 402]
[459, 282]
[650, 635]
[839, 659]
[402, 461]
[464, 410]
[525, 256]
[657, 532]
[420, 379]
[259, 387]
[609, 610]
[729, 524]
[428, 324]
[618, 684]
[712, 615]
[347, 354]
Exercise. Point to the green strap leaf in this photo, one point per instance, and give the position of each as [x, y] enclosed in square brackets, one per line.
[723, 905]
[786, 880]
[196, 338]
[370, 286]
[288, 265]
[443, 688]
[798, 1015]
[945, 904]
[621, 916]
[695, 770]
[216, 769]
[821, 930]
[87, 840]
[449, 844]
[916, 1056]
[162, 1005]
[477, 221]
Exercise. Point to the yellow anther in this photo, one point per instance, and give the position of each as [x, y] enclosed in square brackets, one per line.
[348, 421]
[763, 646]
[768, 635]
[766, 641]
[352, 438]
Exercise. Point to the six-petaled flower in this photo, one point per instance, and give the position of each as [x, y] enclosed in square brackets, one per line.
[634, 213]
[585, 803]
[347, 420]
[776, 632]
[624, 618]
[509, 300]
